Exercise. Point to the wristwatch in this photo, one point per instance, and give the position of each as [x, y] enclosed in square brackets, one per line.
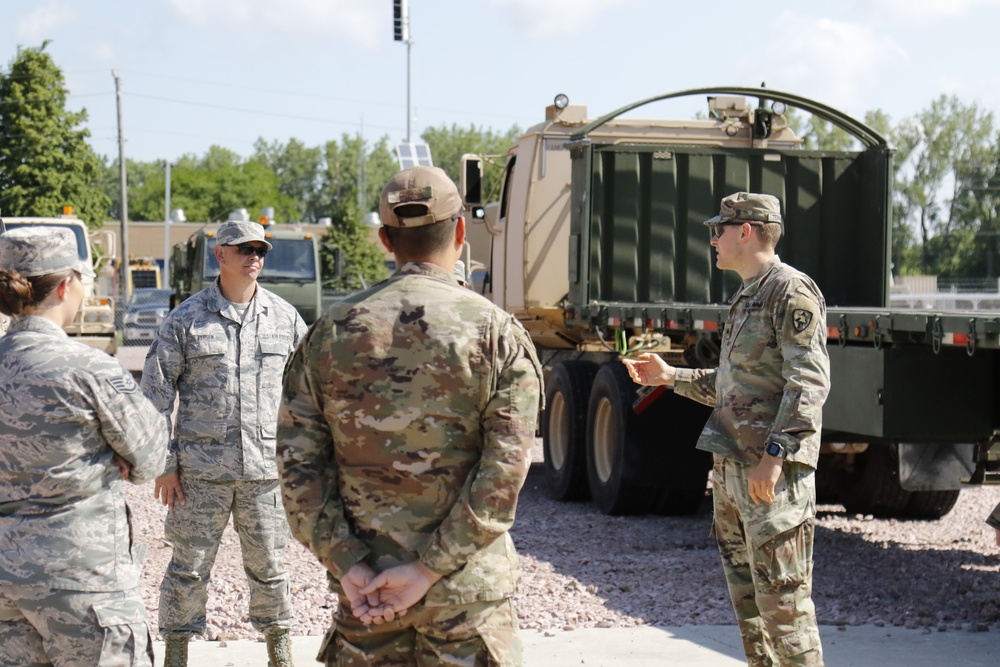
[775, 448]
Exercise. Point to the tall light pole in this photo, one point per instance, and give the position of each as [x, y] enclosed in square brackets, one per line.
[123, 185]
[401, 33]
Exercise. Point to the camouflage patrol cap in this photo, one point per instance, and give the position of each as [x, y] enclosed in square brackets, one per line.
[748, 206]
[39, 251]
[236, 232]
[428, 189]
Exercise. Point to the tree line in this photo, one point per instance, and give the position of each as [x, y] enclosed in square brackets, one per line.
[946, 197]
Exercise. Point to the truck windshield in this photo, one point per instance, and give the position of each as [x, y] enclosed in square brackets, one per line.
[289, 259]
[81, 243]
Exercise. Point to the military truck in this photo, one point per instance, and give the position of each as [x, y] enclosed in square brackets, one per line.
[143, 273]
[94, 324]
[597, 245]
[291, 269]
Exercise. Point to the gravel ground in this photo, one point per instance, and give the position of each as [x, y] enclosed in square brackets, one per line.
[583, 569]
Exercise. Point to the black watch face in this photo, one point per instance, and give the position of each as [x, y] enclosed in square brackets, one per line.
[774, 449]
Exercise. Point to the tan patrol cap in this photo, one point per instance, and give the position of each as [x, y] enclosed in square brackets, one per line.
[428, 189]
[236, 232]
[748, 206]
[40, 251]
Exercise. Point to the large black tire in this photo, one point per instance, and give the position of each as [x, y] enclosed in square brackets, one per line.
[930, 504]
[671, 426]
[611, 452]
[564, 429]
[828, 476]
[680, 502]
[871, 485]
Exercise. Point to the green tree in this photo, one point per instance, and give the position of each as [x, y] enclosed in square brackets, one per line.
[977, 208]
[947, 137]
[211, 187]
[45, 161]
[298, 169]
[350, 184]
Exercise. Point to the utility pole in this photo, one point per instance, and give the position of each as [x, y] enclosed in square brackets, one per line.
[123, 185]
[166, 232]
[401, 33]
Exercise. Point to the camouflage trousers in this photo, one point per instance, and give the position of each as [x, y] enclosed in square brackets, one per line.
[482, 634]
[767, 557]
[195, 529]
[42, 626]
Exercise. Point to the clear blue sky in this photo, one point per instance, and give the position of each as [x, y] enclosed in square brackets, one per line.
[200, 72]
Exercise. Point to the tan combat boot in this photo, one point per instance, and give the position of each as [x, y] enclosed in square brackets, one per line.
[176, 652]
[279, 647]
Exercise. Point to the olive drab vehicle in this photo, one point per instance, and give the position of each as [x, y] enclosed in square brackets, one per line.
[291, 268]
[597, 244]
[94, 324]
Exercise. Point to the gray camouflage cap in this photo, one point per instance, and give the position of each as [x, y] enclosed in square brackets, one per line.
[748, 206]
[236, 232]
[426, 188]
[39, 251]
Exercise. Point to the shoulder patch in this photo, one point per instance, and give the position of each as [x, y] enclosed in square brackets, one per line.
[124, 384]
[801, 318]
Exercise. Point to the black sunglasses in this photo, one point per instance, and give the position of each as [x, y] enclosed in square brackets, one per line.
[247, 250]
[717, 228]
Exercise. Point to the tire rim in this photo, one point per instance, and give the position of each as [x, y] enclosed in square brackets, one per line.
[558, 434]
[605, 431]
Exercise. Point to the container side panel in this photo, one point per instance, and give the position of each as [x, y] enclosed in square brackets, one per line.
[646, 241]
[701, 204]
[623, 240]
[663, 231]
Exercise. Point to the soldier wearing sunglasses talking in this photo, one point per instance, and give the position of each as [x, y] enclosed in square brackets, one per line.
[764, 433]
[222, 352]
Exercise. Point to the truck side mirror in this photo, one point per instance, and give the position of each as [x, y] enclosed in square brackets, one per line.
[471, 180]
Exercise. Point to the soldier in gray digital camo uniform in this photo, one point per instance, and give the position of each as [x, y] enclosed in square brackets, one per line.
[73, 425]
[405, 435]
[222, 352]
[768, 394]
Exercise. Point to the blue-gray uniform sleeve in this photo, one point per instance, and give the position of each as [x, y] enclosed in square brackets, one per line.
[129, 423]
[160, 373]
[308, 470]
[698, 384]
[800, 328]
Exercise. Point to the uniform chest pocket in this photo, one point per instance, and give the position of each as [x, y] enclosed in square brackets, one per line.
[207, 367]
[750, 335]
[273, 353]
[278, 347]
[207, 347]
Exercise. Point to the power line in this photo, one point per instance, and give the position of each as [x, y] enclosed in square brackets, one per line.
[257, 112]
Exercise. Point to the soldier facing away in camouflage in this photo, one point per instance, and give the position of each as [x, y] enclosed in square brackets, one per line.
[73, 425]
[768, 394]
[222, 352]
[405, 435]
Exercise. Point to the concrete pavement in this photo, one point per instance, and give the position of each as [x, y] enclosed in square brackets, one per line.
[690, 646]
